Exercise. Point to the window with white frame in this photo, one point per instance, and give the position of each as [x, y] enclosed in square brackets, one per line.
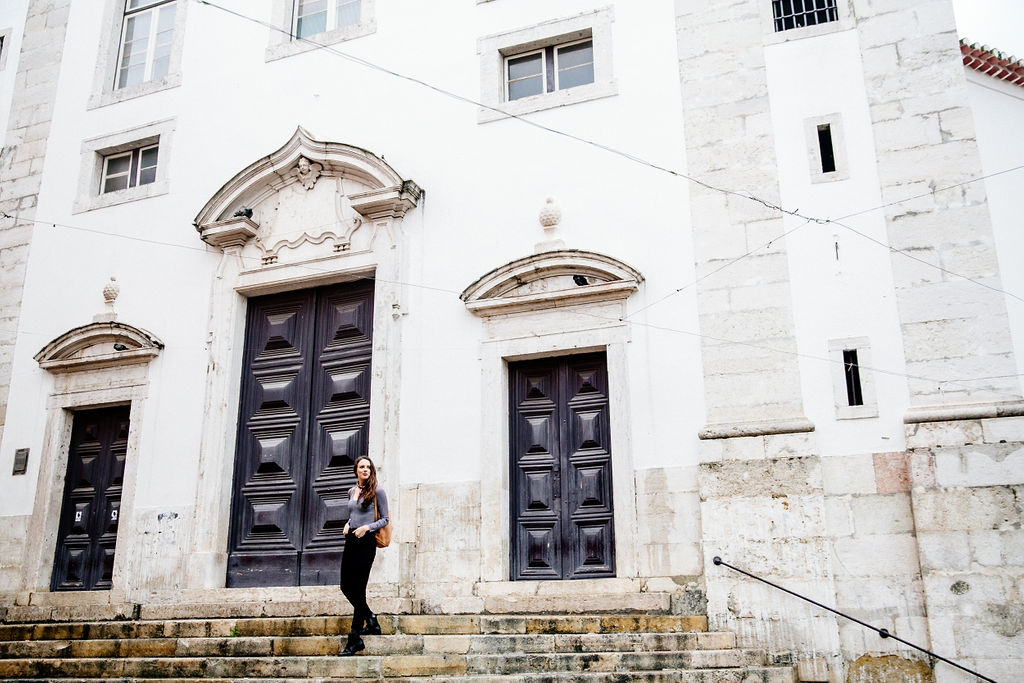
[852, 378]
[147, 38]
[130, 168]
[555, 67]
[313, 17]
[125, 166]
[5, 46]
[552, 64]
[308, 24]
[826, 148]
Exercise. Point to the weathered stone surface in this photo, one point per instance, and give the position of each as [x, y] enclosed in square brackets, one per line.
[417, 665]
[872, 669]
[773, 478]
[962, 509]
[638, 602]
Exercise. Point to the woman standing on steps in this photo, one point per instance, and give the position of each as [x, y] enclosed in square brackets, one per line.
[367, 512]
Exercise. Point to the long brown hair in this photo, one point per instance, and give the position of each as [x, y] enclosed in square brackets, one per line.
[368, 491]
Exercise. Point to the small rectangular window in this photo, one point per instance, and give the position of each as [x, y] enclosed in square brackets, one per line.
[799, 13]
[854, 393]
[146, 41]
[828, 156]
[313, 17]
[129, 169]
[557, 67]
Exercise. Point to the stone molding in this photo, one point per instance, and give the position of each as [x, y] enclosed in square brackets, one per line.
[544, 281]
[390, 194]
[758, 428]
[232, 232]
[963, 411]
[92, 346]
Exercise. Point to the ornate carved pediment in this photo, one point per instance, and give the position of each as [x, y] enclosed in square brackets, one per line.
[306, 193]
[552, 278]
[98, 345]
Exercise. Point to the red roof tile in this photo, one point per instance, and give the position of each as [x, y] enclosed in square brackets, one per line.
[992, 62]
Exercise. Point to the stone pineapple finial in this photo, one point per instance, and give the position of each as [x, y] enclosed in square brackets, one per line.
[550, 214]
[549, 217]
[110, 292]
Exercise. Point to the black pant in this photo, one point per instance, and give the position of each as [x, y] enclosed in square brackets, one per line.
[356, 561]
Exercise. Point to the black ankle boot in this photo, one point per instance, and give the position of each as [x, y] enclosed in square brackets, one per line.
[372, 627]
[354, 645]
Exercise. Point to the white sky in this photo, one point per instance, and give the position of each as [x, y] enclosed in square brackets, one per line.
[996, 23]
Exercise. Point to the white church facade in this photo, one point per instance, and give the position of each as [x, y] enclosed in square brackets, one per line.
[606, 289]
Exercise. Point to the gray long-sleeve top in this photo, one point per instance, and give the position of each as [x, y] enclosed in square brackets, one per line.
[359, 516]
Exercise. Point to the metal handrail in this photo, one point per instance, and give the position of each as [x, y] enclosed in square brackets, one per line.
[880, 631]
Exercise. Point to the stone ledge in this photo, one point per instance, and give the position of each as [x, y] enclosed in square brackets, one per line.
[963, 411]
[755, 428]
[578, 604]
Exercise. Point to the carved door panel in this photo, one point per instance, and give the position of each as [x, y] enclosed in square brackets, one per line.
[87, 532]
[339, 424]
[303, 416]
[561, 485]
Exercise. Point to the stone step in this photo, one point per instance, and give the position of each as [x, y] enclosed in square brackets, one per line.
[284, 646]
[582, 597]
[339, 625]
[749, 675]
[369, 666]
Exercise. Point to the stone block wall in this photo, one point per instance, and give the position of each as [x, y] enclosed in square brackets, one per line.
[969, 519]
[730, 144]
[768, 517]
[668, 522]
[441, 561]
[21, 164]
[925, 143]
[875, 558]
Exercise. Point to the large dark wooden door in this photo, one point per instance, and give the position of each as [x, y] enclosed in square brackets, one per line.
[303, 420]
[87, 532]
[561, 497]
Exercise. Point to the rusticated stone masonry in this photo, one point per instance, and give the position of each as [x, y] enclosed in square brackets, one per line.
[21, 164]
[752, 386]
[954, 330]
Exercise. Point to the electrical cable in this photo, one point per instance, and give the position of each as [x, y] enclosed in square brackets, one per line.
[631, 157]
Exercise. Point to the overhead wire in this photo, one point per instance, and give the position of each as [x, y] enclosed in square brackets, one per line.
[634, 158]
[631, 157]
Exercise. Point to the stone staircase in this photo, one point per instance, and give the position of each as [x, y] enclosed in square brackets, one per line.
[470, 647]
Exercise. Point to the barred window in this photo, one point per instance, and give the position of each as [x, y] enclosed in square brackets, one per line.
[799, 13]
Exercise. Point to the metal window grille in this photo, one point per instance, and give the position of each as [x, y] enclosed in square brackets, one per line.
[799, 13]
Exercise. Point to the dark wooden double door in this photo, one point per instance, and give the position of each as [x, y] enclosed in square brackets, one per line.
[561, 471]
[87, 531]
[303, 420]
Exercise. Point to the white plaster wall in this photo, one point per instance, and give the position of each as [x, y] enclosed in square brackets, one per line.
[848, 296]
[484, 185]
[998, 109]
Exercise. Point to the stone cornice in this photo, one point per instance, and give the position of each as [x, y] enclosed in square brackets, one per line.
[92, 346]
[274, 172]
[233, 232]
[496, 292]
[965, 411]
[756, 428]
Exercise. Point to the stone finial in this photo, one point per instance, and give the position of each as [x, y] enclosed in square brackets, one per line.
[550, 214]
[110, 292]
[549, 217]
